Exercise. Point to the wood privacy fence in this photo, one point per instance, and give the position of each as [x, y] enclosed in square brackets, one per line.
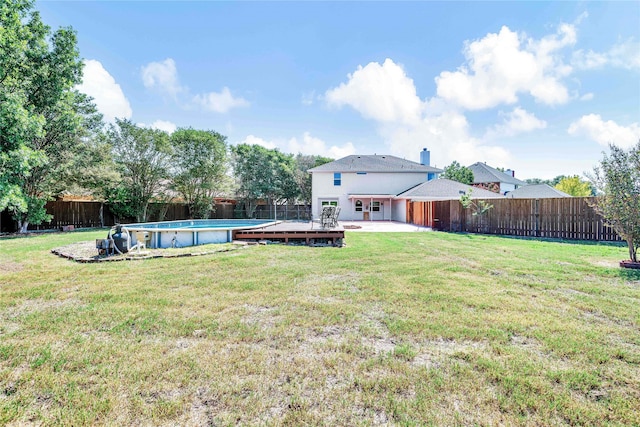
[564, 218]
[89, 214]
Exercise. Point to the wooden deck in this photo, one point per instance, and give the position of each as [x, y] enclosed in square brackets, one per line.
[295, 230]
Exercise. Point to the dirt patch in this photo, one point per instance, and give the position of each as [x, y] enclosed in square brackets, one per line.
[9, 327]
[37, 305]
[203, 408]
[262, 316]
[87, 252]
[380, 345]
[531, 345]
[599, 317]
[432, 353]
[605, 263]
[572, 292]
[335, 334]
[10, 267]
[336, 279]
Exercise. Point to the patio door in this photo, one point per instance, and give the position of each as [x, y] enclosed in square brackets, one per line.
[377, 210]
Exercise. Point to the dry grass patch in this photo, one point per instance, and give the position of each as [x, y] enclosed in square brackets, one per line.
[394, 329]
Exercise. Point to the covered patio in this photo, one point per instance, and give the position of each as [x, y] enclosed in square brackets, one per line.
[371, 207]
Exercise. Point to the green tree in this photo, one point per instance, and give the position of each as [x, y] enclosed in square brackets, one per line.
[143, 158]
[555, 181]
[39, 120]
[533, 181]
[199, 168]
[457, 172]
[263, 174]
[617, 178]
[478, 209]
[574, 186]
[304, 162]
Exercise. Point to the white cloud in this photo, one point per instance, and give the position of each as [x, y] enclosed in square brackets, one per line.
[593, 127]
[254, 140]
[306, 145]
[164, 125]
[380, 92]
[220, 102]
[387, 95]
[316, 146]
[447, 137]
[501, 66]
[106, 93]
[162, 76]
[308, 97]
[588, 60]
[587, 97]
[516, 122]
[622, 55]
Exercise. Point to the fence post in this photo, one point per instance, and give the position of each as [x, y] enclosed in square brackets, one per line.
[537, 217]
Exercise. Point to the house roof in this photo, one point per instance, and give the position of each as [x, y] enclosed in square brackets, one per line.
[482, 173]
[536, 191]
[446, 189]
[373, 163]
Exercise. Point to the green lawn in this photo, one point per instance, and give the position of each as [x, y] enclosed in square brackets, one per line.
[398, 329]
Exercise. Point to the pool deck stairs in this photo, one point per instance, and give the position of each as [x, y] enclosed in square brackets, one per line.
[293, 230]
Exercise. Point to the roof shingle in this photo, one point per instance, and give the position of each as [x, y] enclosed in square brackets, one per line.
[374, 163]
[482, 173]
[536, 191]
[446, 189]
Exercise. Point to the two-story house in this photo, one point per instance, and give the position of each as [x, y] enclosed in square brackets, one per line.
[484, 176]
[365, 186]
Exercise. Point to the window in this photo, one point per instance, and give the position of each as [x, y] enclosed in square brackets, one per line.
[375, 206]
[329, 203]
[337, 179]
[358, 205]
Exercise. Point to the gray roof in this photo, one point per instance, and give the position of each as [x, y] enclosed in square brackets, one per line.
[536, 191]
[446, 189]
[374, 163]
[482, 173]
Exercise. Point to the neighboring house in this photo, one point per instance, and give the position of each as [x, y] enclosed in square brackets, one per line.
[536, 191]
[492, 179]
[365, 186]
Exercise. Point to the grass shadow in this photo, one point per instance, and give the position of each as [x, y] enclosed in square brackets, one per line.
[629, 274]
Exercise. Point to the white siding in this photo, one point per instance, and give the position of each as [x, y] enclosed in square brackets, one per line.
[504, 187]
[369, 183]
[400, 210]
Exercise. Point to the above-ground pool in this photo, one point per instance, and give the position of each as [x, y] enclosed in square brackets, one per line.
[168, 234]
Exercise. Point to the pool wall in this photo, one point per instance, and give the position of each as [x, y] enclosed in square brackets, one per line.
[169, 234]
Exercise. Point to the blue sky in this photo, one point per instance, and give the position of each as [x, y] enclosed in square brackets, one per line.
[538, 87]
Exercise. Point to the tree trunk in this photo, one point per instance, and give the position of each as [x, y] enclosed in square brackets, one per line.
[23, 226]
[632, 250]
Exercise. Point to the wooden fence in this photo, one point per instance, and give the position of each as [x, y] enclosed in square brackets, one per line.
[564, 218]
[89, 214]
